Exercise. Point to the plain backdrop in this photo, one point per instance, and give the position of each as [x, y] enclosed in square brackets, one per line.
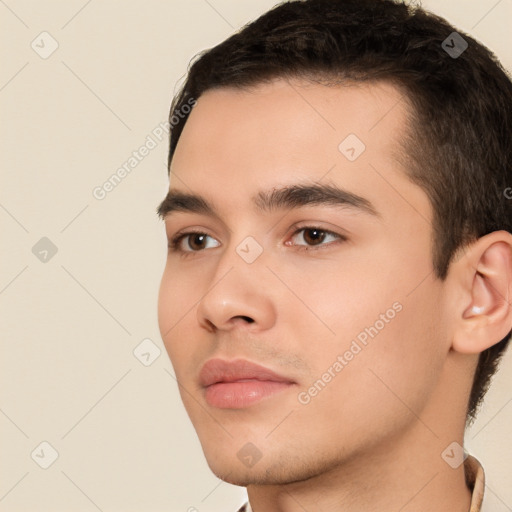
[83, 369]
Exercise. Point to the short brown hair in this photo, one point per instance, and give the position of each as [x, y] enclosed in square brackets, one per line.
[460, 146]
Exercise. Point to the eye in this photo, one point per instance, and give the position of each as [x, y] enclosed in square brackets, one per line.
[195, 240]
[314, 237]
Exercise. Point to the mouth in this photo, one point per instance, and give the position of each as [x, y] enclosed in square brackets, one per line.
[238, 384]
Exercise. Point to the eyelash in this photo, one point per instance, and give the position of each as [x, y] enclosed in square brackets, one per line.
[175, 242]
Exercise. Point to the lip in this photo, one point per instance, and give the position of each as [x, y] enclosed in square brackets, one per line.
[239, 383]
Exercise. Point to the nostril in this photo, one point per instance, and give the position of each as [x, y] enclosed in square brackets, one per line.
[246, 318]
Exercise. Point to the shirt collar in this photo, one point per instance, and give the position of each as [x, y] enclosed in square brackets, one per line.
[475, 480]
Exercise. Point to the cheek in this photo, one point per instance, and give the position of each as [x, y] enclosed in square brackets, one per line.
[385, 331]
[336, 299]
[175, 303]
[167, 314]
[381, 381]
[405, 366]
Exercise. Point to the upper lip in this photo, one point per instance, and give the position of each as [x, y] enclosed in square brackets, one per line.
[220, 370]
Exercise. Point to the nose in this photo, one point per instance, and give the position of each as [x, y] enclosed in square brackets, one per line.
[238, 296]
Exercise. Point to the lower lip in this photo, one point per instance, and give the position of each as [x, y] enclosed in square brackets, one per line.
[239, 394]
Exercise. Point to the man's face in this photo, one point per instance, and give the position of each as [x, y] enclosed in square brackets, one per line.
[338, 299]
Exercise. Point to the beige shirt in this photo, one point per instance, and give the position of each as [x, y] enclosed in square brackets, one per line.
[475, 480]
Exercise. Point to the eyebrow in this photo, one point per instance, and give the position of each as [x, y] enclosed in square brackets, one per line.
[287, 197]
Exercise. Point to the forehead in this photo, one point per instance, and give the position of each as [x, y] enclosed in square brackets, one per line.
[237, 141]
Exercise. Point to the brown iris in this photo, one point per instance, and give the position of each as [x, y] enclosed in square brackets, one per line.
[196, 237]
[318, 236]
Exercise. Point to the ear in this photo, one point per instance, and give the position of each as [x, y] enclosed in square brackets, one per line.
[483, 277]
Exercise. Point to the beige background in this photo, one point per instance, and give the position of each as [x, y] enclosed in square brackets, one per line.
[70, 325]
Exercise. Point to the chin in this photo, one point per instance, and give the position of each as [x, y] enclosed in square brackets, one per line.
[266, 471]
[244, 477]
[238, 477]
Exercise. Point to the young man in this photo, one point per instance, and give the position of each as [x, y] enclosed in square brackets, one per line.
[338, 285]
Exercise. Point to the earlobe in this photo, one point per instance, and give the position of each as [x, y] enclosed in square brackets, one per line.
[486, 276]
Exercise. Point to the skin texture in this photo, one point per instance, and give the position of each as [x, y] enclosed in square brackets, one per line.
[372, 438]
